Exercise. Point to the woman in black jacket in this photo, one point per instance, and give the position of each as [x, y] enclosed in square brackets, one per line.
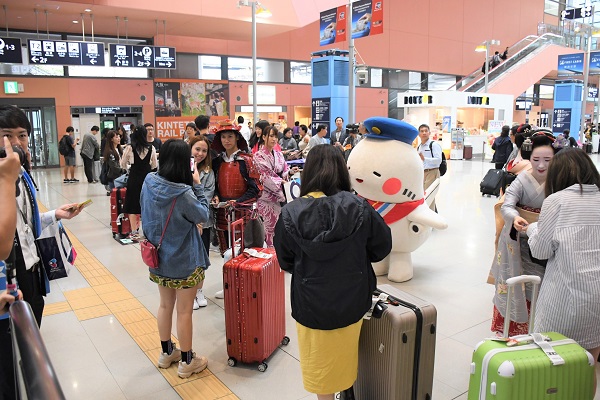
[112, 157]
[503, 146]
[328, 239]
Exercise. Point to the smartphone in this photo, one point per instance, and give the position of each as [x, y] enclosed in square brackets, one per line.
[192, 164]
[82, 205]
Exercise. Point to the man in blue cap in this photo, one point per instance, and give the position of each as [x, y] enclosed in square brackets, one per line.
[431, 154]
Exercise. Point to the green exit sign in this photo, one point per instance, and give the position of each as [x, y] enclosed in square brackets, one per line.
[11, 87]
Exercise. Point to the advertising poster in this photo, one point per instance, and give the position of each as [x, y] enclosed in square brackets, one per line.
[595, 63]
[367, 18]
[332, 28]
[570, 64]
[495, 126]
[446, 124]
[178, 102]
[562, 120]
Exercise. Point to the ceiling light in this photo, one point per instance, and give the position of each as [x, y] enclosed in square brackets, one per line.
[87, 10]
[75, 21]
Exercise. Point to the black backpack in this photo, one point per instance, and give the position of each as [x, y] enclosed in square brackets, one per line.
[63, 147]
[443, 166]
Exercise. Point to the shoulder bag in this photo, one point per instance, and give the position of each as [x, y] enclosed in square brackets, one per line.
[149, 251]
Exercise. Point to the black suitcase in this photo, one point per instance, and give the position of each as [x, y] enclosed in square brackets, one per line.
[589, 148]
[491, 182]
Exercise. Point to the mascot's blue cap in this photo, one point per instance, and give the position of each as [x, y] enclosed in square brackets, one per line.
[390, 129]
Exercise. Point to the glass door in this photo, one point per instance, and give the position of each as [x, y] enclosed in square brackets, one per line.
[43, 145]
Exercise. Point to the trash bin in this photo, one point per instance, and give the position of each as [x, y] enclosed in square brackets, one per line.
[468, 153]
[589, 148]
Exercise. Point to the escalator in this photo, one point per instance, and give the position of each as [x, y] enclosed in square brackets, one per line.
[529, 61]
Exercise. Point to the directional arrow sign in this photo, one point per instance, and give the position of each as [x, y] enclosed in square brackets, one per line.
[62, 52]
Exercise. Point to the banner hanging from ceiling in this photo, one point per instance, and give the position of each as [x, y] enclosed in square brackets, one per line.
[332, 27]
[367, 18]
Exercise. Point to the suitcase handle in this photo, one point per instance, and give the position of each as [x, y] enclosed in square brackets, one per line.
[511, 283]
[232, 228]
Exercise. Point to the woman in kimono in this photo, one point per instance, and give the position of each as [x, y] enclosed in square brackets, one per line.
[522, 203]
[273, 171]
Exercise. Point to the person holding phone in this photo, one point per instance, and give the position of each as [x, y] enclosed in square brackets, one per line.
[174, 190]
[202, 162]
[522, 203]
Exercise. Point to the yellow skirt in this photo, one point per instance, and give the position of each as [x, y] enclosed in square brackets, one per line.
[328, 359]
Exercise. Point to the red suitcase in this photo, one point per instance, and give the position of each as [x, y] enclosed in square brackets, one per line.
[254, 305]
[119, 221]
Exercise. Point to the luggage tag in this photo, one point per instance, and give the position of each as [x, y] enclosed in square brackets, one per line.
[257, 254]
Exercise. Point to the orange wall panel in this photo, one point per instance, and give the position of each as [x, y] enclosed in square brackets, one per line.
[446, 19]
[371, 103]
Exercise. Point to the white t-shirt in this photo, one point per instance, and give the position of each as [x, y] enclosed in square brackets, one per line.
[245, 132]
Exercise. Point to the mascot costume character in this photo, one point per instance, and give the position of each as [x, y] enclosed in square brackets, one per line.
[385, 169]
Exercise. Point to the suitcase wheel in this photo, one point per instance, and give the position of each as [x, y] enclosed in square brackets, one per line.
[285, 341]
[232, 362]
[262, 367]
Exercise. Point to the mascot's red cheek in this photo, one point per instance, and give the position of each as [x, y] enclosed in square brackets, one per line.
[392, 186]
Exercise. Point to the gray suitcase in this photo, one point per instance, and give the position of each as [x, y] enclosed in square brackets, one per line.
[397, 351]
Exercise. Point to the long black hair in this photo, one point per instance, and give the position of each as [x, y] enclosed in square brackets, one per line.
[138, 139]
[109, 148]
[263, 125]
[175, 162]
[325, 170]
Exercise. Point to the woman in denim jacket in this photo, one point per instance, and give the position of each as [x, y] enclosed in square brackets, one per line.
[181, 257]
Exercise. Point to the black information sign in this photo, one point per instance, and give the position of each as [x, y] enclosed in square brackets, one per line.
[576, 13]
[10, 51]
[154, 57]
[321, 113]
[562, 120]
[60, 52]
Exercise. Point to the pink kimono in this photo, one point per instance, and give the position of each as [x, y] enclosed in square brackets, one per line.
[273, 172]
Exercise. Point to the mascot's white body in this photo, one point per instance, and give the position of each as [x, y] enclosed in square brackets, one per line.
[391, 171]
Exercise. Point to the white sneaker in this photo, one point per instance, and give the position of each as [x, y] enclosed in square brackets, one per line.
[200, 300]
[197, 365]
[220, 294]
[165, 360]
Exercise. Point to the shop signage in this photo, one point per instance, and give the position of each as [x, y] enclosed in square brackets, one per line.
[562, 120]
[321, 113]
[570, 64]
[367, 18]
[10, 51]
[332, 26]
[426, 99]
[59, 52]
[478, 100]
[153, 57]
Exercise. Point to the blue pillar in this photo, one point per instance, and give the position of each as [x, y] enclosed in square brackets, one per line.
[567, 107]
[329, 88]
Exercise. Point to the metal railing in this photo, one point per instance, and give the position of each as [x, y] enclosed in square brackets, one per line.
[33, 369]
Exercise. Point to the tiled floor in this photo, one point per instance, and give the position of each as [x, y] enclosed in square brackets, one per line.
[100, 329]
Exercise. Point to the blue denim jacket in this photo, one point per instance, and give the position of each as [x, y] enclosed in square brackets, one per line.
[182, 250]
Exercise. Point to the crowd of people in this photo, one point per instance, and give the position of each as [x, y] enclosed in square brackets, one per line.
[184, 191]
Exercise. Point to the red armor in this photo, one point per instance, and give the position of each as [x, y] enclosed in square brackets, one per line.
[232, 184]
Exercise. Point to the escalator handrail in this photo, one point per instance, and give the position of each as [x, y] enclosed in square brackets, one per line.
[550, 38]
[39, 377]
[514, 48]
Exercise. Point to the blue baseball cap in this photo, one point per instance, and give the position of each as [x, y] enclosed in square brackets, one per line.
[390, 129]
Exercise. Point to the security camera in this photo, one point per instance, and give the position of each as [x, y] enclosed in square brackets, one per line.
[362, 74]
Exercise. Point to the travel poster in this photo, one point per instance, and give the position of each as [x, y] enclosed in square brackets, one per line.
[332, 26]
[367, 18]
[570, 64]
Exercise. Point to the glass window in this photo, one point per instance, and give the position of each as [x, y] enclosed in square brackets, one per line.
[376, 77]
[546, 92]
[240, 69]
[300, 72]
[209, 67]
[440, 82]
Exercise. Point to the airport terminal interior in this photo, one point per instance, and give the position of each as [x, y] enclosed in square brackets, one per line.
[167, 62]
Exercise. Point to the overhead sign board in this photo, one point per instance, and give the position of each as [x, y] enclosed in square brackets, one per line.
[576, 13]
[153, 57]
[10, 51]
[62, 52]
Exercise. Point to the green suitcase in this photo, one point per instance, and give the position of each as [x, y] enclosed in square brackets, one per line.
[558, 369]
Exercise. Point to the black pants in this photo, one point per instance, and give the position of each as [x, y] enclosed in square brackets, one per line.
[7, 371]
[88, 165]
[30, 284]
[499, 165]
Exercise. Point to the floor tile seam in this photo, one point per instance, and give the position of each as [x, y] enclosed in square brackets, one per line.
[92, 257]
